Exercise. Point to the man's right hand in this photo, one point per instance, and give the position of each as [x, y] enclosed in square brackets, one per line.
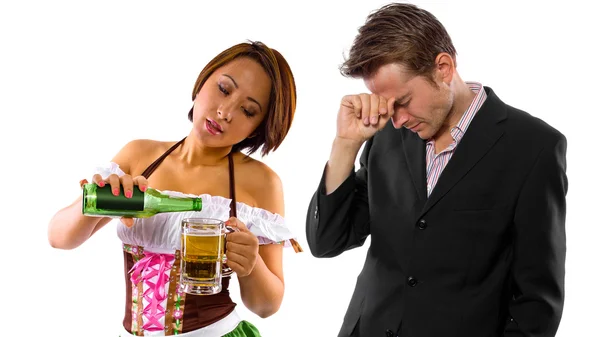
[361, 116]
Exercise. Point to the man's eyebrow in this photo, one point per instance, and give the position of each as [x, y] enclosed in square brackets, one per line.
[402, 98]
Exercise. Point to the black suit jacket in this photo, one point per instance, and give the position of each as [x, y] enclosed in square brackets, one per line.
[483, 256]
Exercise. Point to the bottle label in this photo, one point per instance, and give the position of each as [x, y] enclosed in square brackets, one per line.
[106, 200]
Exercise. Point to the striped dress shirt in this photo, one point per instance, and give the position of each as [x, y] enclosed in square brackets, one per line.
[437, 162]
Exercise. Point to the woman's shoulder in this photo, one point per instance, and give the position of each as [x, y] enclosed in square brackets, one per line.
[262, 182]
[260, 172]
[147, 145]
[140, 153]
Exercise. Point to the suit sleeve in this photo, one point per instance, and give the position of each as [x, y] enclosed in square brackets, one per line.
[538, 269]
[340, 221]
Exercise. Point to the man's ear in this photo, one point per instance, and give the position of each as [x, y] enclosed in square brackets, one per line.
[444, 67]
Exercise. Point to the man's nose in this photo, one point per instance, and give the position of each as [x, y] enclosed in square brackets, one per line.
[400, 118]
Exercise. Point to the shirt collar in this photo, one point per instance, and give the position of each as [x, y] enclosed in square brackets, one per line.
[458, 131]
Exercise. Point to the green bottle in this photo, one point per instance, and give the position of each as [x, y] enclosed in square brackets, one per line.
[99, 201]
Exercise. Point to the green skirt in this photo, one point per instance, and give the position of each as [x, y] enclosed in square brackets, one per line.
[244, 329]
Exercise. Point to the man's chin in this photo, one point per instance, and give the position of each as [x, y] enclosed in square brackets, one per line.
[423, 134]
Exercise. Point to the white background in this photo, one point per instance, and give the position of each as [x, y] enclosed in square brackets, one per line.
[80, 79]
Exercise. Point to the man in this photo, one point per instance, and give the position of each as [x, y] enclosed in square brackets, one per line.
[463, 195]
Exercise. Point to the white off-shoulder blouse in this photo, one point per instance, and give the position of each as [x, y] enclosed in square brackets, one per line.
[161, 233]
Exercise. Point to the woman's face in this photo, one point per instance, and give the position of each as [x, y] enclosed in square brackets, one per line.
[232, 103]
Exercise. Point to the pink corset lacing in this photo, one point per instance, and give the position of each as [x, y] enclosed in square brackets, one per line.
[150, 266]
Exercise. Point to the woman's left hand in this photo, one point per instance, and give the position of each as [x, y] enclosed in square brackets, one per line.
[241, 248]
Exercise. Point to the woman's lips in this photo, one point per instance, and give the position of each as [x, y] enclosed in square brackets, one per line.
[213, 127]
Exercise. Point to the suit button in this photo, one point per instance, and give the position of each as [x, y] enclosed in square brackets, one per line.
[422, 224]
[389, 333]
[412, 281]
[316, 212]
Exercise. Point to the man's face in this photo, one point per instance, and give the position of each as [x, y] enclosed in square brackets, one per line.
[419, 106]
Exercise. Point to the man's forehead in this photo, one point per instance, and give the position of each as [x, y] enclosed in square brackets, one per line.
[387, 79]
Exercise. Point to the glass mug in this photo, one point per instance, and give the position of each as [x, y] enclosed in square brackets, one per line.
[203, 255]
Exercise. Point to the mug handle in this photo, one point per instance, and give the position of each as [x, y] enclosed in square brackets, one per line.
[226, 271]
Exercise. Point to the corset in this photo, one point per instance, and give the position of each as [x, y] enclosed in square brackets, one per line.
[153, 304]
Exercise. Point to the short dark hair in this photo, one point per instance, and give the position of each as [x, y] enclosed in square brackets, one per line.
[398, 33]
[282, 99]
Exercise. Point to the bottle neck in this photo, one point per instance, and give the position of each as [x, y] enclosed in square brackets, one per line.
[197, 204]
[164, 203]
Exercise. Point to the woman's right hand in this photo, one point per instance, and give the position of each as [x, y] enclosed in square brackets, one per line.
[127, 181]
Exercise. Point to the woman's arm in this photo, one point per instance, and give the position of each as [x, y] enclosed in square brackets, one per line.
[262, 290]
[69, 228]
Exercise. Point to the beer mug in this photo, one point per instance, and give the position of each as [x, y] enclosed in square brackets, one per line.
[203, 255]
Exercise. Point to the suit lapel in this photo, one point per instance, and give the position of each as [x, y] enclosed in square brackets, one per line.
[414, 151]
[482, 134]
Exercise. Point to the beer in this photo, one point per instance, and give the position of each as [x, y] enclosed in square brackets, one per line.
[202, 254]
[202, 257]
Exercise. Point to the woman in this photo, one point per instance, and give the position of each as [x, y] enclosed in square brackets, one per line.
[244, 99]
